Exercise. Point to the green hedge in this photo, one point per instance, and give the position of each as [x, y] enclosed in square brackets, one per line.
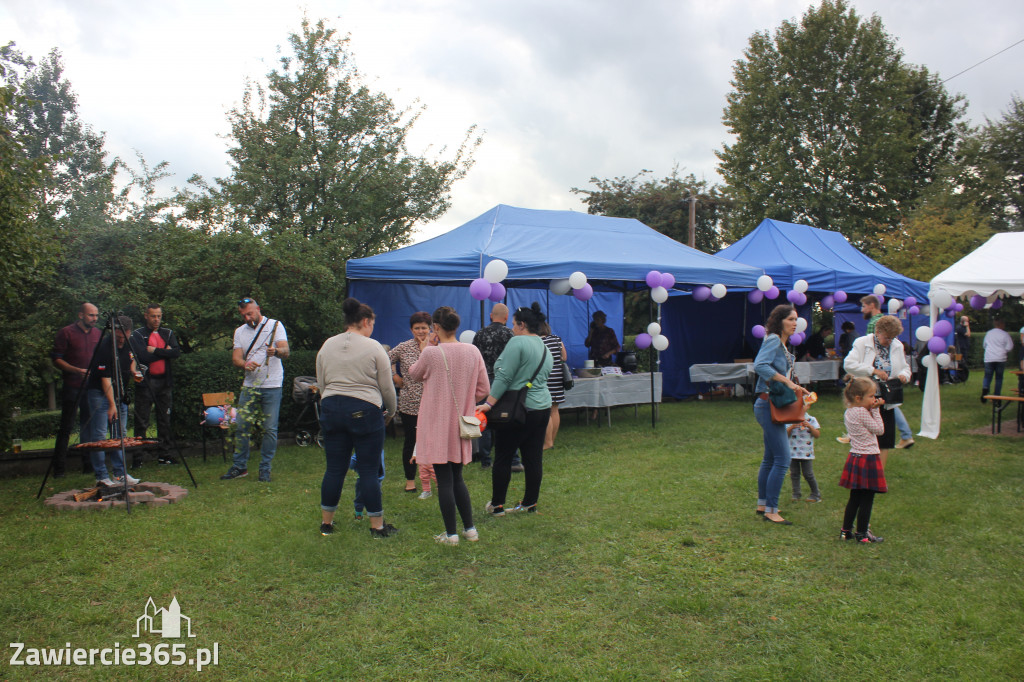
[212, 372]
[36, 425]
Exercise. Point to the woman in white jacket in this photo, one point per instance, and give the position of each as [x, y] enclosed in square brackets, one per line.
[881, 357]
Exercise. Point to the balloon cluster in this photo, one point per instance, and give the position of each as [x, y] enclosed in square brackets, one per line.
[489, 286]
[765, 289]
[652, 337]
[660, 283]
[934, 336]
[978, 302]
[575, 283]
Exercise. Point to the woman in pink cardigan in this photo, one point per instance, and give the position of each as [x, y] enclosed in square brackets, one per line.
[454, 380]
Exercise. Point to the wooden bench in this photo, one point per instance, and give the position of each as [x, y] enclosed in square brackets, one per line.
[1000, 403]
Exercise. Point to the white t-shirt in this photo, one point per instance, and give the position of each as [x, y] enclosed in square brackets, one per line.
[998, 345]
[268, 374]
[801, 443]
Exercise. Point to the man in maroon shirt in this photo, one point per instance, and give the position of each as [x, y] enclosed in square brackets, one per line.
[72, 352]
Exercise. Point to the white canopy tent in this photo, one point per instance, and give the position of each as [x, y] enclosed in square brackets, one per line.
[996, 268]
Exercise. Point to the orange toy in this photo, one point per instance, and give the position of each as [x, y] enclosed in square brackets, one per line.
[482, 416]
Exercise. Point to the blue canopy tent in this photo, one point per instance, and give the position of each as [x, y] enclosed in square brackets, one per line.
[787, 252]
[615, 253]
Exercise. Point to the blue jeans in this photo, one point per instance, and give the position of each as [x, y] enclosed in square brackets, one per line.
[270, 402]
[380, 478]
[775, 464]
[96, 404]
[348, 424]
[902, 425]
[997, 369]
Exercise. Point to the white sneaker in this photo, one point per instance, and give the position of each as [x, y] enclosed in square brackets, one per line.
[131, 479]
[105, 481]
[445, 539]
[471, 534]
[425, 495]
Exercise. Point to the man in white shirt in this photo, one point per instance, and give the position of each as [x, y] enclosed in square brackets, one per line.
[998, 345]
[259, 346]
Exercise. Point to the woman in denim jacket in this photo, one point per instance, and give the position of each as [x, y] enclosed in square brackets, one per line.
[773, 363]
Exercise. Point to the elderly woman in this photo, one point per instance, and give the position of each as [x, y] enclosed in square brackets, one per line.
[880, 356]
[601, 341]
[773, 363]
[454, 379]
[353, 374]
[403, 356]
[525, 356]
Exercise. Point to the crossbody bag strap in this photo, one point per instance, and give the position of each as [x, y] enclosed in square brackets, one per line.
[451, 385]
[543, 357]
[249, 349]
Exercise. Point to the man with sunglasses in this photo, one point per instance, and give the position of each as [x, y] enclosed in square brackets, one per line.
[259, 346]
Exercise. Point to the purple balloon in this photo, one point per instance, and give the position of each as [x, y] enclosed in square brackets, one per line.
[942, 328]
[643, 341]
[755, 296]
[757, 331]
[937, 344]
[997, 304]
[701, 293]
[913, 310]
[909, 301]
[840, 296]
[712, 298]
[828, 302]
[978, 302]
[480, 289]
[668, 280]
[497, 292]
[584, 292]
[653, 279]
[772, 293]
[792, 295]
[796, 339]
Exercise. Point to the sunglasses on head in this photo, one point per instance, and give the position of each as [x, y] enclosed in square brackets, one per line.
[244, 301]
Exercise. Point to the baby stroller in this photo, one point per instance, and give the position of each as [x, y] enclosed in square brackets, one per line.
[307, 425]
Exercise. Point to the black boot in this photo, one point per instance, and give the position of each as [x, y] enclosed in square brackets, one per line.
[983, 392]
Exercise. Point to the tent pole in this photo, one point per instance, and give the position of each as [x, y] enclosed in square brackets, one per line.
[650, 315]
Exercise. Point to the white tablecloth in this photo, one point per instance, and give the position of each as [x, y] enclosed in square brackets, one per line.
[611, 389]
[743, 372]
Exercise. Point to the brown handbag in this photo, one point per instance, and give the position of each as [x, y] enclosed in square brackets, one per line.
[793, 413]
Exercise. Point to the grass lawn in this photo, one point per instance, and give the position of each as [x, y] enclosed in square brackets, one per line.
[646, 561]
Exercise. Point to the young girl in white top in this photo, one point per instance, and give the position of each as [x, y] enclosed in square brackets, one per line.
[862, 473]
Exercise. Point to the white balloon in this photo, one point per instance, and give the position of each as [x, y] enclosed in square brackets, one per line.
[560, 287]
[659, 294]
[495, 271]
[924, 333]
[894, 305]
[940, 299]
[879, 289]
[654, 329]
[943, 359]
[800, 285]
[467, 336]
[764, 282]
[718, 291]
[927, 361]
[660, 342]
[801, 324]
[577, 280]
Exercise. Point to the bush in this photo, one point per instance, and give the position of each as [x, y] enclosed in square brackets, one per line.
[36, 425]
[212, 372]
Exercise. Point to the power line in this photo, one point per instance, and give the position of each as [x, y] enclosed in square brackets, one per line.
[983, 61]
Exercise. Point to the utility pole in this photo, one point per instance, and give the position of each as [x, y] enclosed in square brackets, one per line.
[692, 242]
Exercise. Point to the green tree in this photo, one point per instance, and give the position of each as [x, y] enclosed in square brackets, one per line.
[831, 127]
[931, 239]
[663, 205]
[993, 168]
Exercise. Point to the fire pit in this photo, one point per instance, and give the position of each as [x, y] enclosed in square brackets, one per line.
[105, 497]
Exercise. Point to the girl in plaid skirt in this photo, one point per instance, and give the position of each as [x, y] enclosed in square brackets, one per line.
[862, 473]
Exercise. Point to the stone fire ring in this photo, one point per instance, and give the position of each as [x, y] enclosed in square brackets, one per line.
[152, 494]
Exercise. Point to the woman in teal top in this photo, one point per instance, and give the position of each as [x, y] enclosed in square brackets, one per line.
[524, 352]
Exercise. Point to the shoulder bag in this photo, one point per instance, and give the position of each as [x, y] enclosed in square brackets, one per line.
[787, 405]
[511, 406]
[890, 391]
[469, 427]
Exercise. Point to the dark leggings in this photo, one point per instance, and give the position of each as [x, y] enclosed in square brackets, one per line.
[528, 438]
[859, 507]
[409, 426]
[453, 494]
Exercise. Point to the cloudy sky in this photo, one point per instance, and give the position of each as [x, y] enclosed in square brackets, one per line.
[563, 90]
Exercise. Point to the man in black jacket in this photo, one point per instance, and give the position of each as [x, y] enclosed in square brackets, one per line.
[155, 347]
